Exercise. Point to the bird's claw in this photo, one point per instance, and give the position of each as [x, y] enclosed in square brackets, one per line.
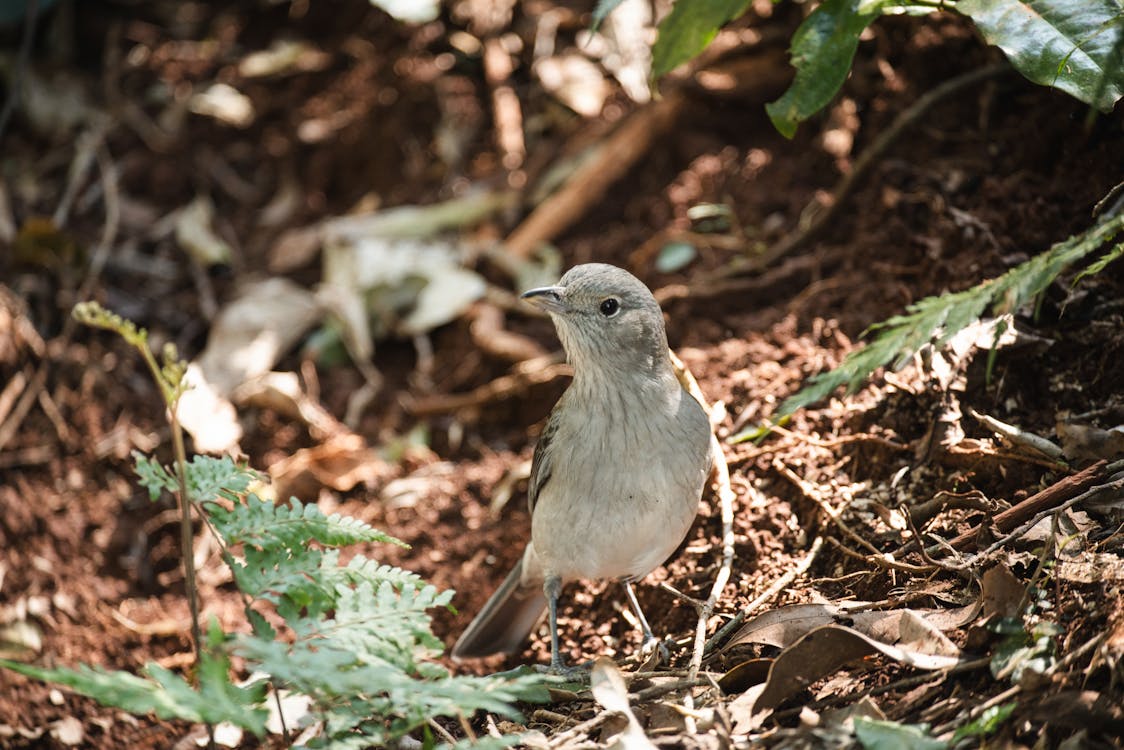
[654, 651]
[574, 673]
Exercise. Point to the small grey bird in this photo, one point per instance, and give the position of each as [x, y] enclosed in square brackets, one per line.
[618, 471]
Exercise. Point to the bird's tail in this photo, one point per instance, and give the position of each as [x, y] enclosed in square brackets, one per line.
[506, 620]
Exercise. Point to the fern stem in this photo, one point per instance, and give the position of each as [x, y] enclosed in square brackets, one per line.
[280, 711]
[187, 544]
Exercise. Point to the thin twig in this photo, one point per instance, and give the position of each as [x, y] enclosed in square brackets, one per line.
[774, 588]
[559, 740]
[1047, 548]
[442, 731]
[834, 514]
[281, 714]
[925, 556]
[1047, 499]
[657, 690]
[841, 440]
[1020, 438]
[697, 604]
[1110, 488]
[880, 560]
[466, 727]
[726, 500]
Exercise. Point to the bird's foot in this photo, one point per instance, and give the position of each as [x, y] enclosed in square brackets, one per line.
[569, 673]
[653, 653]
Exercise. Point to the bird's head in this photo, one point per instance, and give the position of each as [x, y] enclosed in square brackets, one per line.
[606, 318]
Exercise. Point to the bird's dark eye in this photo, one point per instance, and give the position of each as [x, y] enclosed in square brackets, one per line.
[609, 307]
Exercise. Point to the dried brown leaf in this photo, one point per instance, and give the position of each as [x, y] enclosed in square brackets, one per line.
[609, 689]
[820, 653]
[1000, 592]
[784, 626]
[340, 463]
[1081, 441]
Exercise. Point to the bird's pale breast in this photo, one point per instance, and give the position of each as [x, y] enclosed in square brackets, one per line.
[627, 474]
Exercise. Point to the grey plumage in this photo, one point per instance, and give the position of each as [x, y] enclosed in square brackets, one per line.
[620, 466]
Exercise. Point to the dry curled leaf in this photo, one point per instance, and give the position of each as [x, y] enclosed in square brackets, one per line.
[820, 653]
[340, 463]
[609, 689]
[783, 626]
[1000, 592]
[1080, 441]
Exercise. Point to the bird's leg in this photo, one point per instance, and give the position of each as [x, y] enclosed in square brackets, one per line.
[650, 643]
[552, 587]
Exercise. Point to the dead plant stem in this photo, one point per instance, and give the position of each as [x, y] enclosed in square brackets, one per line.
[657, 690]
[442, 731]
[1109, 488]
[881, 561]
[726, 500]
[834, 514]
[560, 740]
[775, 588]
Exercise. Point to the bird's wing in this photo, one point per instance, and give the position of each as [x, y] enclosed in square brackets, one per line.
[541, 467]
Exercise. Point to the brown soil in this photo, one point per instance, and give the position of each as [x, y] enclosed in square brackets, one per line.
[990, 177]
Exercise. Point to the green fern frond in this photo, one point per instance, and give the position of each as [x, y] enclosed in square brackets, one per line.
[270, 526]
[153, 476]
[164, 693]
[208, 477]
[375, 700]
[319, 671]
[1101, 263]
[360, 568]
[284, 581]
[361, 645]
[380, 623]
[937, 319]
[373, 618]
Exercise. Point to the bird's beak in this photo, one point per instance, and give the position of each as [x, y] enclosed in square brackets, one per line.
[547, 298]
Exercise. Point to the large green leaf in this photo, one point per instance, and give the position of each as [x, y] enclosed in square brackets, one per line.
[1072, 45]
[822, 50]
[688, 28]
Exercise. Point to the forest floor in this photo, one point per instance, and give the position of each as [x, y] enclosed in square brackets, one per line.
[372, 114]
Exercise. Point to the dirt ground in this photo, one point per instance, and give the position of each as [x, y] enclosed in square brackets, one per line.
[990, 176]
